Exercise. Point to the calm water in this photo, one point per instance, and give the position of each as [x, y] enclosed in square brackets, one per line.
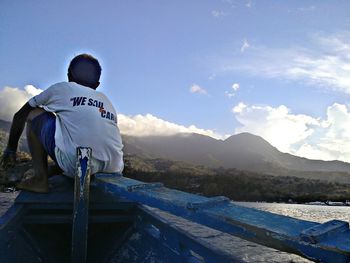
[316, 213]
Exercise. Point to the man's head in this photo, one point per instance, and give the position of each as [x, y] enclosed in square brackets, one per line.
[85, 70]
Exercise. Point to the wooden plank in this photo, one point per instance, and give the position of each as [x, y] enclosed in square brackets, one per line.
[81, 205]
[209, 243]
[211, 202]
[324, 231]
[132, 188]
[7, 200]
[277, 231]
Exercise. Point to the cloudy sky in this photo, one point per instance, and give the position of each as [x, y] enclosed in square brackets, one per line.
[278, 69]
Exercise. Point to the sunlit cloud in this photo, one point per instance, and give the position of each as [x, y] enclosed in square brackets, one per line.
[307, 8]
[245, 45]
[212, 76]
[232, 92]
[299, 134]
[236, 4]
[218, 13]
[150, 125]
[277, 125]
[12, 99]
[249, 3]
[197, 89]
[239, 107]
[235, 86]
[326, 65]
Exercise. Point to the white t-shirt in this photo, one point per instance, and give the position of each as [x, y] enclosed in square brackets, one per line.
[84, 117]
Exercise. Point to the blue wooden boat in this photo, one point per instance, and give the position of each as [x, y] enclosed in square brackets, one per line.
[126, 220]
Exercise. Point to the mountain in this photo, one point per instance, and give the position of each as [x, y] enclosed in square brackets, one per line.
[243, 151]
[252, 145]
[5, 125]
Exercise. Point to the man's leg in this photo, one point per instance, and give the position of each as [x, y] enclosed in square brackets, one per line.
[39, 182]
[54, 169]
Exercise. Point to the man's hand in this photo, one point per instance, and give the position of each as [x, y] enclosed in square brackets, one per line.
[8, 159]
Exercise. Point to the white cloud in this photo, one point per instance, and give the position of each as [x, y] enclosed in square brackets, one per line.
[239, 108]
[332, 140]
[197, 89]
[307, 8]
[212, 76]
[277, 125]
[314, 152]
[217, 13]
[299, 134]
[231, 3]
[249, 3]
[326, 64]
[336, 133]
[148, 125]
[245, 45]
[229, 94]
[12, 99]
[235, 87]
[235, 3]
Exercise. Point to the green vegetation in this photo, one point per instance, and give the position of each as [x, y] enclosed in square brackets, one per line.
[22, 144]
[235, 184]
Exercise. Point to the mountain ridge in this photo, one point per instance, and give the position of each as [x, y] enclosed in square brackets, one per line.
[242, 151]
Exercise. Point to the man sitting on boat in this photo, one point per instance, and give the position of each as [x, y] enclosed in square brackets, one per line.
[63, 117]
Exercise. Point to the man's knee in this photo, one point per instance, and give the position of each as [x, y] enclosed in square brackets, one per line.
[34, 113]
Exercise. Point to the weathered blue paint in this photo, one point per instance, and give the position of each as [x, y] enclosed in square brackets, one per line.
[20, 243]
[210, 202]
[141, 235]
[324, 231]
[281, 232]
[132, 188]
[145, 234]
[12, 215]
[163, 237]
[81, 206]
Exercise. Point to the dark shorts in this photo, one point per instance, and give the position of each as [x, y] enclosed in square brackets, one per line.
[44, 127]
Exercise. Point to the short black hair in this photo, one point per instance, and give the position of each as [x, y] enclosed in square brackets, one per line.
[84, 69]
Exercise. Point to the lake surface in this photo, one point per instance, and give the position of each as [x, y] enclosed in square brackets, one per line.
[316, 213]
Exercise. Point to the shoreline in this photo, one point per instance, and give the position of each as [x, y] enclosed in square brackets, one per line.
[314, 203]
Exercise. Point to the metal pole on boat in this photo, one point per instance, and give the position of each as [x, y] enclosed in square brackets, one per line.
[81, 205]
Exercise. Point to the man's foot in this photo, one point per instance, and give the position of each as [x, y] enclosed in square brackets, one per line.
[28, 174]
[33, 184]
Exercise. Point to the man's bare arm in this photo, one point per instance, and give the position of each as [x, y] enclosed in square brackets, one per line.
[19, 119]
[18, 123]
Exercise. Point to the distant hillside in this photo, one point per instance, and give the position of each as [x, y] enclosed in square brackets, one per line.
[5, 127]
[236, 184]
[211, 178]
[242, 151]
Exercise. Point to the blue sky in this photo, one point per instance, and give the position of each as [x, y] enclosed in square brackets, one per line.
[278, 69]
